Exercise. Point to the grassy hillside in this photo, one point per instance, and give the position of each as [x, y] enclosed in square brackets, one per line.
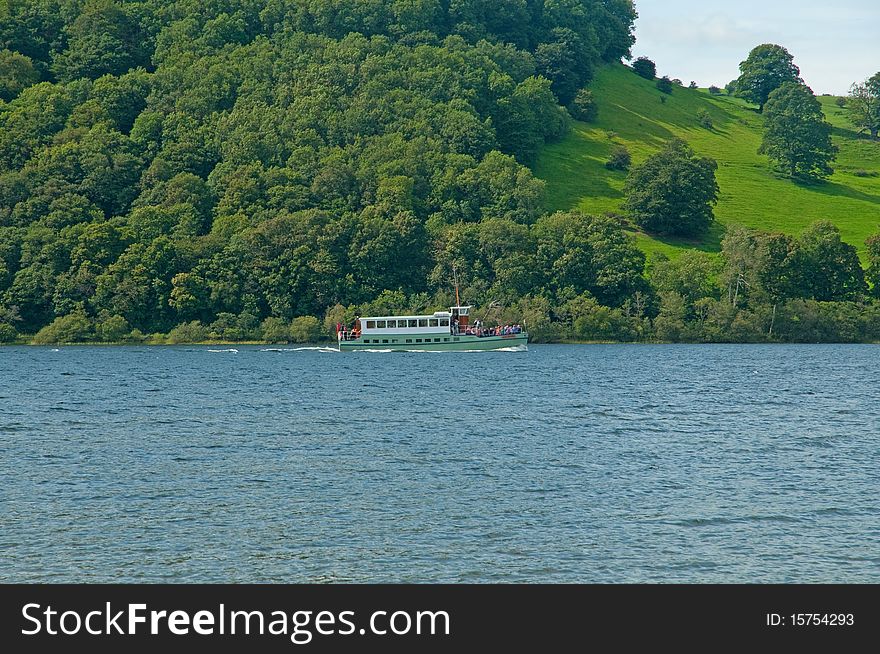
[632, 114]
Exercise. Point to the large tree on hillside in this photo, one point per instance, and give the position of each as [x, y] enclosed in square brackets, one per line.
[825, 268]
[767, 68]
[863, 105]
[644, 67]
[673, 192]
[796, 136]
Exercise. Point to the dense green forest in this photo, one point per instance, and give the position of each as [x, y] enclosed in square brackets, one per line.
[179, 171]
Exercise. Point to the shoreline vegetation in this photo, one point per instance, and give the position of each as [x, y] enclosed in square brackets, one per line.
[581, 322]
[331, 344]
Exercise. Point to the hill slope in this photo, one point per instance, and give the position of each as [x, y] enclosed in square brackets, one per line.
[632, 114]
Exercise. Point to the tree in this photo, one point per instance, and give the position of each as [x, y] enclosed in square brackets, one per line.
[112, 329]
[102, 39]
[664, 85]
[582, 253]
[767, 68]
[741, 256]
[673, 192]
[691, 275]
[17, 72]
[863, 105]
[644, 67]
[306, 329]
[564, 62]
[584, 107]
[7, 333]
[275, 330]
[705, 119]
[620, 159]
[796, 136]
[73, 328]
[827, 269]
[188, 332]
[530, 117]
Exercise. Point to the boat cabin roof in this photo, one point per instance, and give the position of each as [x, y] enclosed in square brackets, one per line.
[439, 314]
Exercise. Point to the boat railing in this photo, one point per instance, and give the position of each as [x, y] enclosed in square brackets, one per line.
[487, 332]
[491, 332]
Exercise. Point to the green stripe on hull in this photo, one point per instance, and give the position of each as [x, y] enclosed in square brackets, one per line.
[465, 344]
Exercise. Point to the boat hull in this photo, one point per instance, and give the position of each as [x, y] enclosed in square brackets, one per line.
[462, 344]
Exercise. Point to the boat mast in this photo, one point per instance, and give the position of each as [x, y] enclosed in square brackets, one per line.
[455, 277]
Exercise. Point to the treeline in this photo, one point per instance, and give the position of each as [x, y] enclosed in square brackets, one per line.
[572, 277]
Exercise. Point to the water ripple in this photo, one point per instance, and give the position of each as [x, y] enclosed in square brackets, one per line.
[560, 464]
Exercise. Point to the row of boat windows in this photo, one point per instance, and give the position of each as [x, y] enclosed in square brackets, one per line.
[406, 324]
[392, 341]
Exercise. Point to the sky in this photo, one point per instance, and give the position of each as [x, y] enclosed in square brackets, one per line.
[834, 42]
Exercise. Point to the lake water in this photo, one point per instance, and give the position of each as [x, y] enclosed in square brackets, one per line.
[561, 464]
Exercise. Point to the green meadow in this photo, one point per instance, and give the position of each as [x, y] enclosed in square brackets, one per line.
[632, 114]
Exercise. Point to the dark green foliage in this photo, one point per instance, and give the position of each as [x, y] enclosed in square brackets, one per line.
[7, 333]
[17, 72]
[584, 107]
[112, 329]
[705, 119]
[809, 321]
[644, 67]
[72, 328]
[767, 68]
[32, 28]
[775, 267]
[276, 330]
[796, 136]
[620, 159]
[589, 254]
[691, 276]
[664, 85]
[873, 273]
[693, 86]
[102, 39]
[827, 269]
[672, 193]
[863, 105]
[306, 329]
[529, 118]
[566, 61]
[188, 332]
[714, 90]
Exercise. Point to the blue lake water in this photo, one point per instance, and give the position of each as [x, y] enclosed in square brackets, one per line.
[562, 464]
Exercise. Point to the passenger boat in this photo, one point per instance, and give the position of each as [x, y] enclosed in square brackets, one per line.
[442, 331]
